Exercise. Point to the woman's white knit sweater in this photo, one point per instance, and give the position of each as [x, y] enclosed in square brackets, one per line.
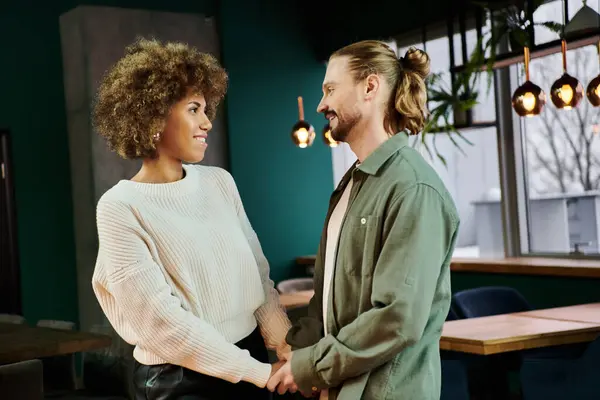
[181, 275]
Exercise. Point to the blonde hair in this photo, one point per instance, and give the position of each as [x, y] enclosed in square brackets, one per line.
[407, 108]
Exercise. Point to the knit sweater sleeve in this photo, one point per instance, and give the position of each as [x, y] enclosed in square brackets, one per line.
[271, 316]
[137, 300]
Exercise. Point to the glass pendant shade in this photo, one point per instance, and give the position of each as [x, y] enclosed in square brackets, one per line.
[567, 91]
[303, 133]
[593, 88]
[529, 99]
[329, 141]
[593, 91]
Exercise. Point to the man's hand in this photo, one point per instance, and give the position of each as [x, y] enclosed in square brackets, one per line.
[282, 379]
[311, 395]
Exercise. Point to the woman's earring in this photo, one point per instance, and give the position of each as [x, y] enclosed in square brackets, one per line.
[156, 137]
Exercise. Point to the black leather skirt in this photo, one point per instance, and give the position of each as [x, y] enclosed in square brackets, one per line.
[172, 382]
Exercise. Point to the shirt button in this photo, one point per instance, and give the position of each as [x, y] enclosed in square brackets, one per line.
[363, 221]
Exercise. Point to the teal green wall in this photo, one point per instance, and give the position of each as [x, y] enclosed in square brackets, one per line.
[285, 189]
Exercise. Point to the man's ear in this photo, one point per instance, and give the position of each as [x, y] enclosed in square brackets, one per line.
[372, 85]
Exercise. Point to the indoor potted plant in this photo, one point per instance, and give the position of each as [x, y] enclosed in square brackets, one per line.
[510, 21]
[451, 107]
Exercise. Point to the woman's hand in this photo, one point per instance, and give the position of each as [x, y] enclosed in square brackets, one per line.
[275, 367]
[285, 356]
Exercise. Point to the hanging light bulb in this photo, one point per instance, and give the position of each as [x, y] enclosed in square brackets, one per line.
[567, 91]
[593, 89]
[303, 134]
[327, 138]
[529, 99]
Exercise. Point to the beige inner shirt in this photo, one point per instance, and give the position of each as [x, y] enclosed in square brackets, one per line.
[333, 233]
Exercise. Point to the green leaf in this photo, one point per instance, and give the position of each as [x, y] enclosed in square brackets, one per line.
[437, 153]
[460, 135]
[553, 26]
[424, 143]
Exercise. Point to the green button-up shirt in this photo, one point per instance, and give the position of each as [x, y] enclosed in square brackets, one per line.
[390, 291]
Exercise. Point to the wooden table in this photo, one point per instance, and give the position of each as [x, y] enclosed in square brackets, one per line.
[301, 298]
[528, 266]
[22, 342]
[510, 332]
[580, 313]
[507, 332]
[511, 265]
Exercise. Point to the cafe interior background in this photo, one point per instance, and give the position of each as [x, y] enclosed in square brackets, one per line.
[516, 141]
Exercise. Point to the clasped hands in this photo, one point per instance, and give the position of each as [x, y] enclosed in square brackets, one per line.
[282, 378]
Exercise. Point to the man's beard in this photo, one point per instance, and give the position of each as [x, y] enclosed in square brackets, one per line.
[344, 126]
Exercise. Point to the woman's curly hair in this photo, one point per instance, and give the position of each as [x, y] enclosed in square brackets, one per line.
[137, 93]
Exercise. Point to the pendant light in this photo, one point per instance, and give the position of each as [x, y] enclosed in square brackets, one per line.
[593, 89]
[303, 134]
[529, 99]
[327, 138]
[567, 91]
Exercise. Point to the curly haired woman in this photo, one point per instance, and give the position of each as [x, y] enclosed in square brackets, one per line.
[180, 272]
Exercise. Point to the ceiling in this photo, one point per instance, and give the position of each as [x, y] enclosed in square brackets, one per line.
[336, 23]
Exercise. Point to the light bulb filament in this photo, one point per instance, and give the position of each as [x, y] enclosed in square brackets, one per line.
[566, 94]
[302, 135]
[528, 100]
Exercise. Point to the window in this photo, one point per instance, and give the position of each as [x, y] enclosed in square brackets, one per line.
[551, 11]
[471, 176]
[561, 163]
[471, 172]
[343, 158]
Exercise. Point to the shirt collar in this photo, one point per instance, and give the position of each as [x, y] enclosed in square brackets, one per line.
[374, 161]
